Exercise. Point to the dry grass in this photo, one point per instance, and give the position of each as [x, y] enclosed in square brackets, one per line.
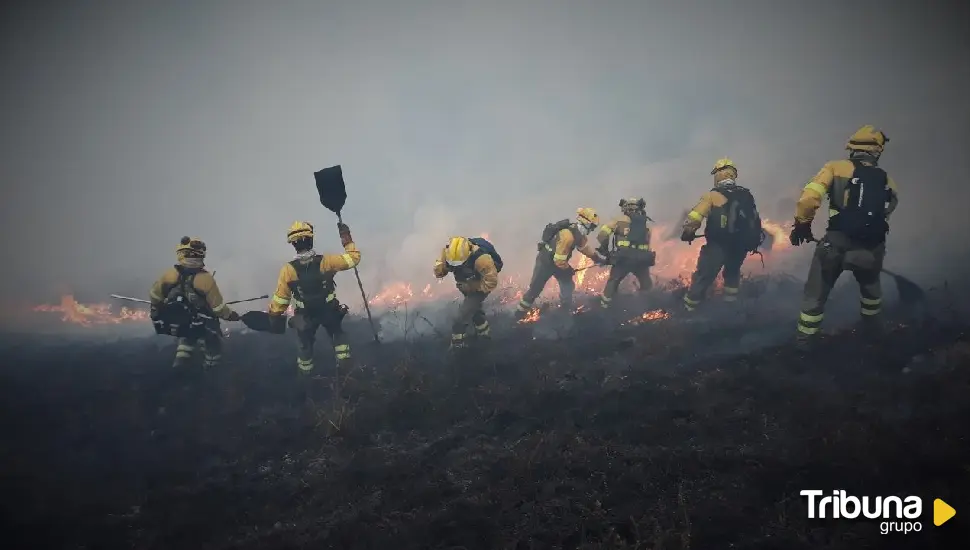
[629, 438]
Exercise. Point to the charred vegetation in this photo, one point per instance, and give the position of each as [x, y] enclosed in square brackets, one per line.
[640, 428]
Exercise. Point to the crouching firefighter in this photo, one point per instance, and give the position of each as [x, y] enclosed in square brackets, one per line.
[559, 239]
[626, 241]
[186, 303]
[307, 282]
[733, 231]
[476, 265]
[861, 198]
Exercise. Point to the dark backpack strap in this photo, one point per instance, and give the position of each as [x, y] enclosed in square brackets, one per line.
[179, 281]
[473, 257]
[186, 282]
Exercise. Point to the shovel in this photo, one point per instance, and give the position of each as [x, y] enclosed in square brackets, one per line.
[333, 196]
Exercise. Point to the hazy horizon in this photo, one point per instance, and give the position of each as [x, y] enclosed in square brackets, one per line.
[130, 125]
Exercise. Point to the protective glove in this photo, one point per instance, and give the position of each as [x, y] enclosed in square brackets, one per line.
[233, 316]
[800, 233]
[601, 260]
[154, 314]
[688, 236]
[440, 269]
[344, 231]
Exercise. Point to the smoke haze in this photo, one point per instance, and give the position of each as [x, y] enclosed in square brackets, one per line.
[128, 125]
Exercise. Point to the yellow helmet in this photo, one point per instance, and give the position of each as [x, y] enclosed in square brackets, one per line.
[299, 230]
[190, 247]
[724, 169]
[587, 217]
[867, 139]
[458, 251]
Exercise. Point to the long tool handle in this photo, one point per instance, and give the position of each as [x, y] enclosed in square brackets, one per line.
[140, 301]
[589, 266]
[130, 299]
[363, 295]
[263, 297]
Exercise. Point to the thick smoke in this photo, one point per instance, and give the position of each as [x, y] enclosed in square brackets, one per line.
[130, 126]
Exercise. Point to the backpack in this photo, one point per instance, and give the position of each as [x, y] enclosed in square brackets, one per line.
[633, 236]
[485, 247]
[552, 230]
[177, 316]
[312, 287]
[738, 220]
[638, 234]
[861, 204]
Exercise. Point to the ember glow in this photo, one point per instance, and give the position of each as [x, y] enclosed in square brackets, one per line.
[530, 317]
[650, 316]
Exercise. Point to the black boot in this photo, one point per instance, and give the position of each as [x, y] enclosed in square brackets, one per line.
[805, 342]
[871, 326]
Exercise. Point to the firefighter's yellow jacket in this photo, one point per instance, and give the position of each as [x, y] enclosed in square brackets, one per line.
[331, 263]
[484, 266]
[818, 188]
[619, 226]
[203, 283]
[566, 243]
[710, 200]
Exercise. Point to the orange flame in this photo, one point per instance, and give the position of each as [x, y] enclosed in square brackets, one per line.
[91, 314]
[584, 264]
[676, 261]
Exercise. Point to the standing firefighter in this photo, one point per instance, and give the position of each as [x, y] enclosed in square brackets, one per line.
[861, 198]
[476, 265]
[733, 230]
[307, 282]
[630, 252]
[559, 239]
[186, 303]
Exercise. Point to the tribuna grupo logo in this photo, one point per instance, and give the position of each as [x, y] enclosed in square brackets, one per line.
[898, 514]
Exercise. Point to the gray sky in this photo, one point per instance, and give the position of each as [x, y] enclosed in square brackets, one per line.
[128, 125]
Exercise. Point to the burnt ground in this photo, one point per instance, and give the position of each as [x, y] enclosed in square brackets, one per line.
[674, 434]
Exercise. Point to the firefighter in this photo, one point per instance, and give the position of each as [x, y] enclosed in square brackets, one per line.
[474, 263]
[861, 198]
[559, 239]
[733, 230]
[626, 241]
[186, 303]
[307, 282]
